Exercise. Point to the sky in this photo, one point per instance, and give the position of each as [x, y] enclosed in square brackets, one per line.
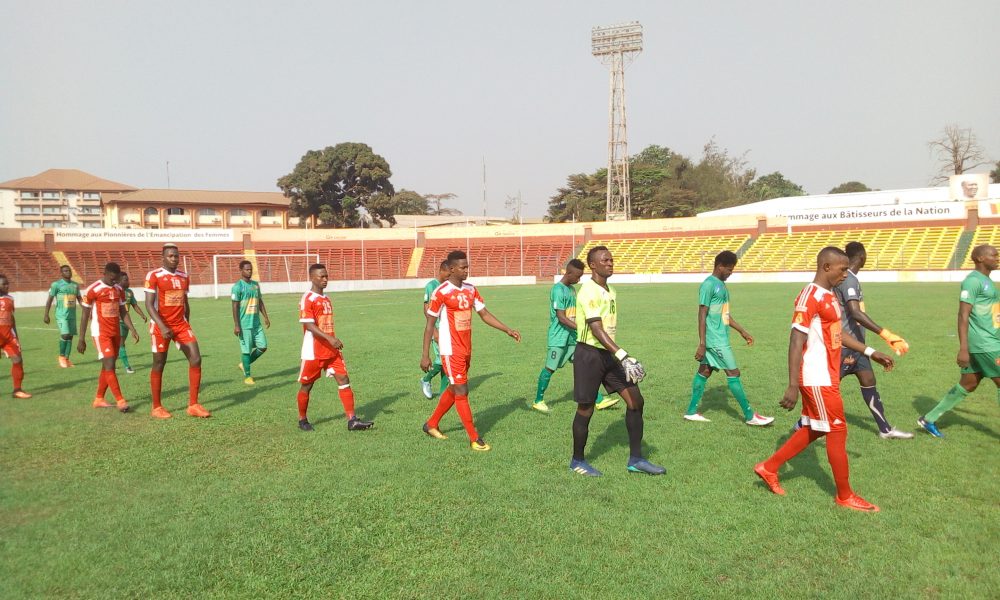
[232, 94]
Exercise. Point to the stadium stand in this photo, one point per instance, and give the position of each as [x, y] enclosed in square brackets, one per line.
[917, 248]
[985, 234]
[28, 267]
[346, 260]
[691, 254]
[541, 256]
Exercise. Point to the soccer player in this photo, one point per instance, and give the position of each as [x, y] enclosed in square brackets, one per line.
[66, 294]
[321, 351]
[978, 336]
[425, 381]
[103, 309]
[814, 371]
[167, 304]
[714, 352]
[599, 359]
[450, 310]
[855, 320]
[9, 344]
[561, 343]
[130, 304]
[248, 308]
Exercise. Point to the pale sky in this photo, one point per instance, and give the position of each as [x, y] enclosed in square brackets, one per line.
[234, 93]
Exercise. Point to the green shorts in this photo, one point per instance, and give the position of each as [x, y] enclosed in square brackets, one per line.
[557, 356]
[67, 325]
[252, 338]
[720, 358]
[986, 364]
[437, 354]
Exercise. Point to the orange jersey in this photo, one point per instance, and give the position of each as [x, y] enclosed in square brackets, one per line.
[316, 308]
[171, 291]
[6, 315]
[817, 314]
[453, 307]
[104, 301]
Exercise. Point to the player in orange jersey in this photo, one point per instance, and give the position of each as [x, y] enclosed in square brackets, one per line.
[167, 304]
[9, 345]
[814, 371]
[321, 351]
[103, 307]
[450, 308]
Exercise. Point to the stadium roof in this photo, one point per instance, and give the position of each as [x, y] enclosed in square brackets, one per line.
[162, 196]
[65, 179]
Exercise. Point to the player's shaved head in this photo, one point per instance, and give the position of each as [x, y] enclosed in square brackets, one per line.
[315, 267]
[854, 250]
[444, 265]
[980, 251]
[830, 255]
[169, 246]
[726, 258]
[454, 256]
[576, 263]
[244, 263]
[594, 252]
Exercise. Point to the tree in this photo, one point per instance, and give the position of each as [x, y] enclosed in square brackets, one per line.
[850, 187]
[332, 183]
[434, 204]
[584, 198]
[995, 173]
[958, 151]
[773, 185]
[408, 202]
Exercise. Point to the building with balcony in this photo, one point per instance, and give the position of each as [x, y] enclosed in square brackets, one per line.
[197, 209]
[56, 198]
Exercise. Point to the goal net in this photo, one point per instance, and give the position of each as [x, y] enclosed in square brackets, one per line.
[277, 273]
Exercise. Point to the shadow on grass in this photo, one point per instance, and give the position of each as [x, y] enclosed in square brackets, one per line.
[923, 404]
[487, 419]
[614, 436]
[718, 398]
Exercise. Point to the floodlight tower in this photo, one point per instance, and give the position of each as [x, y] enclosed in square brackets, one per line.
[615, 45]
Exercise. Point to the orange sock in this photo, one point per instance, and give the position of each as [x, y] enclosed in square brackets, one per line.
[17, 374]
[465, 414]
[102, 384]
[347, 399]
[303, 400]
[792, 446]
[445, 403]
[111, 381]
[194, 382]
[156, 386]
[836, 453]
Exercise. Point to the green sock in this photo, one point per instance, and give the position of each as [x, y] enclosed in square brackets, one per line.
[953, 397]
[123, 356]
[736, 387]
[245, 359]
[697, 391]
[444, 383]
[257, 352]
[63, 347]
[543, 383]
[435, 369]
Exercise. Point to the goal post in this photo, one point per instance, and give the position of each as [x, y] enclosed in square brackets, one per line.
[290, 269]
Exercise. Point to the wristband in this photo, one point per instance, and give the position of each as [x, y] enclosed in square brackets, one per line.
[869, 351]
[621, 354]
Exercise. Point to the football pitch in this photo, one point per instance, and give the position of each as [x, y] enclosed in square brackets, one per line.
[97, 504]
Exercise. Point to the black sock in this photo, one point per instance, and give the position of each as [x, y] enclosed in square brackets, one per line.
[581, 427]
[633, 423]
[874, 402]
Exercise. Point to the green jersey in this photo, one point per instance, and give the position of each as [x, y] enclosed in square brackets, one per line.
[595, 302]
[65, 293]
[130, 302]
[984, 321]
[248, 295]
[714, 294]
[432, 285]
[562, 297]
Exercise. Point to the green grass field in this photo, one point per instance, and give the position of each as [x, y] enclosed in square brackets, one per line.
[98, 504]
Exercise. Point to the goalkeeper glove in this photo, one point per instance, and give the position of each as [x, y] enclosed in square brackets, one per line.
[898, 344]
[634, 371]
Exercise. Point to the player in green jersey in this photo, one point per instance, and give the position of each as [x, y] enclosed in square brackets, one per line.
[425, 382]
[714, 352]
[130, 304]
[66, 294]
[248, 308]
[561, 339]
[978, 336]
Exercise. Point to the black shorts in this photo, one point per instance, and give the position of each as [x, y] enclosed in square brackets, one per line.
[853, 362]
[592, 367]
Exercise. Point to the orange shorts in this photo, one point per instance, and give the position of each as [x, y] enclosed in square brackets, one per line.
[107, 345]
[823, 409]
[456, 367]
[311, 370]
[10, 346]
[183, 334]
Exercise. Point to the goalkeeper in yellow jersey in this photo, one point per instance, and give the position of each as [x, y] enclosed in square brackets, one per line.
[854, 321]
